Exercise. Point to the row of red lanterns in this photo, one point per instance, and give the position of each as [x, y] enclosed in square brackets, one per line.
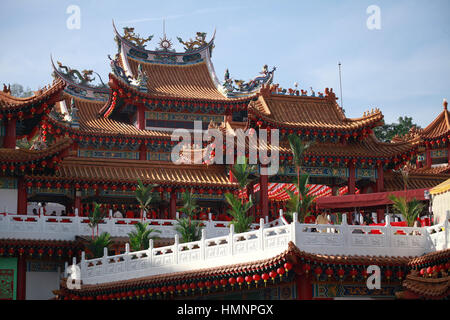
[51, 163]
[176, 103]
[434, 270]
[341, 272]
[192, 287]
[123, 187]
[32, 251]
[24, 111]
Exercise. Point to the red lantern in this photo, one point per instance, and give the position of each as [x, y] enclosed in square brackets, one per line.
[388, 273]
[273, 275]
[232, 281]
[318, 271]
[353, 273]
[341, 273]
[208, 284]
[240, 280]
[329, 272]
[265, 277]
[223, 282]
[306, 268]
[287, 266]
[216, 283]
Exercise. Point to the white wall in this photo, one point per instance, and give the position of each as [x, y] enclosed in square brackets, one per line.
[441, 204]
[8, 200]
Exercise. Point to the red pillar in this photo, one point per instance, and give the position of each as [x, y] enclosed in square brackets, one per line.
[21, 197]
[304, 287]
[9, 140]
[264, 195]
[351, 179]
[142, 152]
[380, 179]
[78, 204]
[140, 117]
[428, 158]
[448, 152]
[21, 277]
[173, 204]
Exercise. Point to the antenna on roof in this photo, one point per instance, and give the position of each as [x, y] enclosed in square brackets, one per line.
[340, 85]
[164, 28]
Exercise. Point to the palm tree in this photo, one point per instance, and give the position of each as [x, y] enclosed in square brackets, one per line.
[189, 204]
[242, 171]
[409, 209]
[238, 211]
[95, 217]
[297, 149]
[139, 239]
[188, 229]
[302, 202]
[96, 245]
[143, 195]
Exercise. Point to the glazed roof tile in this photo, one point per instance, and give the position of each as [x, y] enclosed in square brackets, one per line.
[91, 123]
[439, 127]
[180, 81]
[308, 113]
[21, 155]
[128, 171]
[394, 181]
[10, 103]
[428, 287]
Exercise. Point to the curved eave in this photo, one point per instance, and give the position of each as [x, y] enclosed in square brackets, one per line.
[11, 104]
[440, 127]
[348, 124]
[91, 91]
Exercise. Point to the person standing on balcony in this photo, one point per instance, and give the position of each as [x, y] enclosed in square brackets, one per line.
[322, 219]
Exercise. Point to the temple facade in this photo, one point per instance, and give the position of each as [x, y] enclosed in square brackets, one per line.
[92, 143]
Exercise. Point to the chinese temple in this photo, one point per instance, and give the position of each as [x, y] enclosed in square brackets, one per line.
[92, 143]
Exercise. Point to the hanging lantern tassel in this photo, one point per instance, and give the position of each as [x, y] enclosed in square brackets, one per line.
[265, 277]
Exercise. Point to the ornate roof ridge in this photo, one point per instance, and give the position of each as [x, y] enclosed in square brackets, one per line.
[439, 126]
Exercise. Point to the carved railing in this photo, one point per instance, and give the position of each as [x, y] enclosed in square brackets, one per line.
[67, 228]
[264, 243]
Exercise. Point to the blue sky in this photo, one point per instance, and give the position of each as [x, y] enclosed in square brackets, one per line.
[403, 68]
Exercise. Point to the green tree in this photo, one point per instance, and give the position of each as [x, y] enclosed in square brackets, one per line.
[139, 238]
[386, 132]
[144, 196]
[297, 149]
[302, 202]
[238, 211]
[17, 90]
[409, 209]
[96, 245]
[188, 229]
[189, 204]
[95, 217]
[242, 171]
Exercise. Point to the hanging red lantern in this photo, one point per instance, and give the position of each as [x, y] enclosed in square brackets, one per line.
[232, 281]
[256, 278]
[171, 289]
[288, 266]
[341, 273]
[240, 280]
[388, 274]
[223, 282]
[306, 268]
[208, 284]
[353, 273]
[265, 277]
[273, 275]
[216, 283]
[400, 274]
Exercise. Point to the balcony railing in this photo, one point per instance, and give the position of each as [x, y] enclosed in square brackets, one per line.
[264, 243]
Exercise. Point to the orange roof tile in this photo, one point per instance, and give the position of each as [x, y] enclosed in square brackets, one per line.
[428, 287]
[128, 171]
[308, 113]
[91, 123]
[10, 103]
[439, 127]
[180, 81]
[393, 181]
[21, 155]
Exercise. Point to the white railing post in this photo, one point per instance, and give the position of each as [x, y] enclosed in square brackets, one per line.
[83, 264]
[388, 232]
[294, 225]
[76, 212]
[66, 265]
[210, 216]
[261, 233]
[447, 216]
[126, 258]
[230, 239]
[203, 245]
[177, 215]
[267, 219]
[175, 248]
[105, 260]
[150, 252]
[346, 234]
